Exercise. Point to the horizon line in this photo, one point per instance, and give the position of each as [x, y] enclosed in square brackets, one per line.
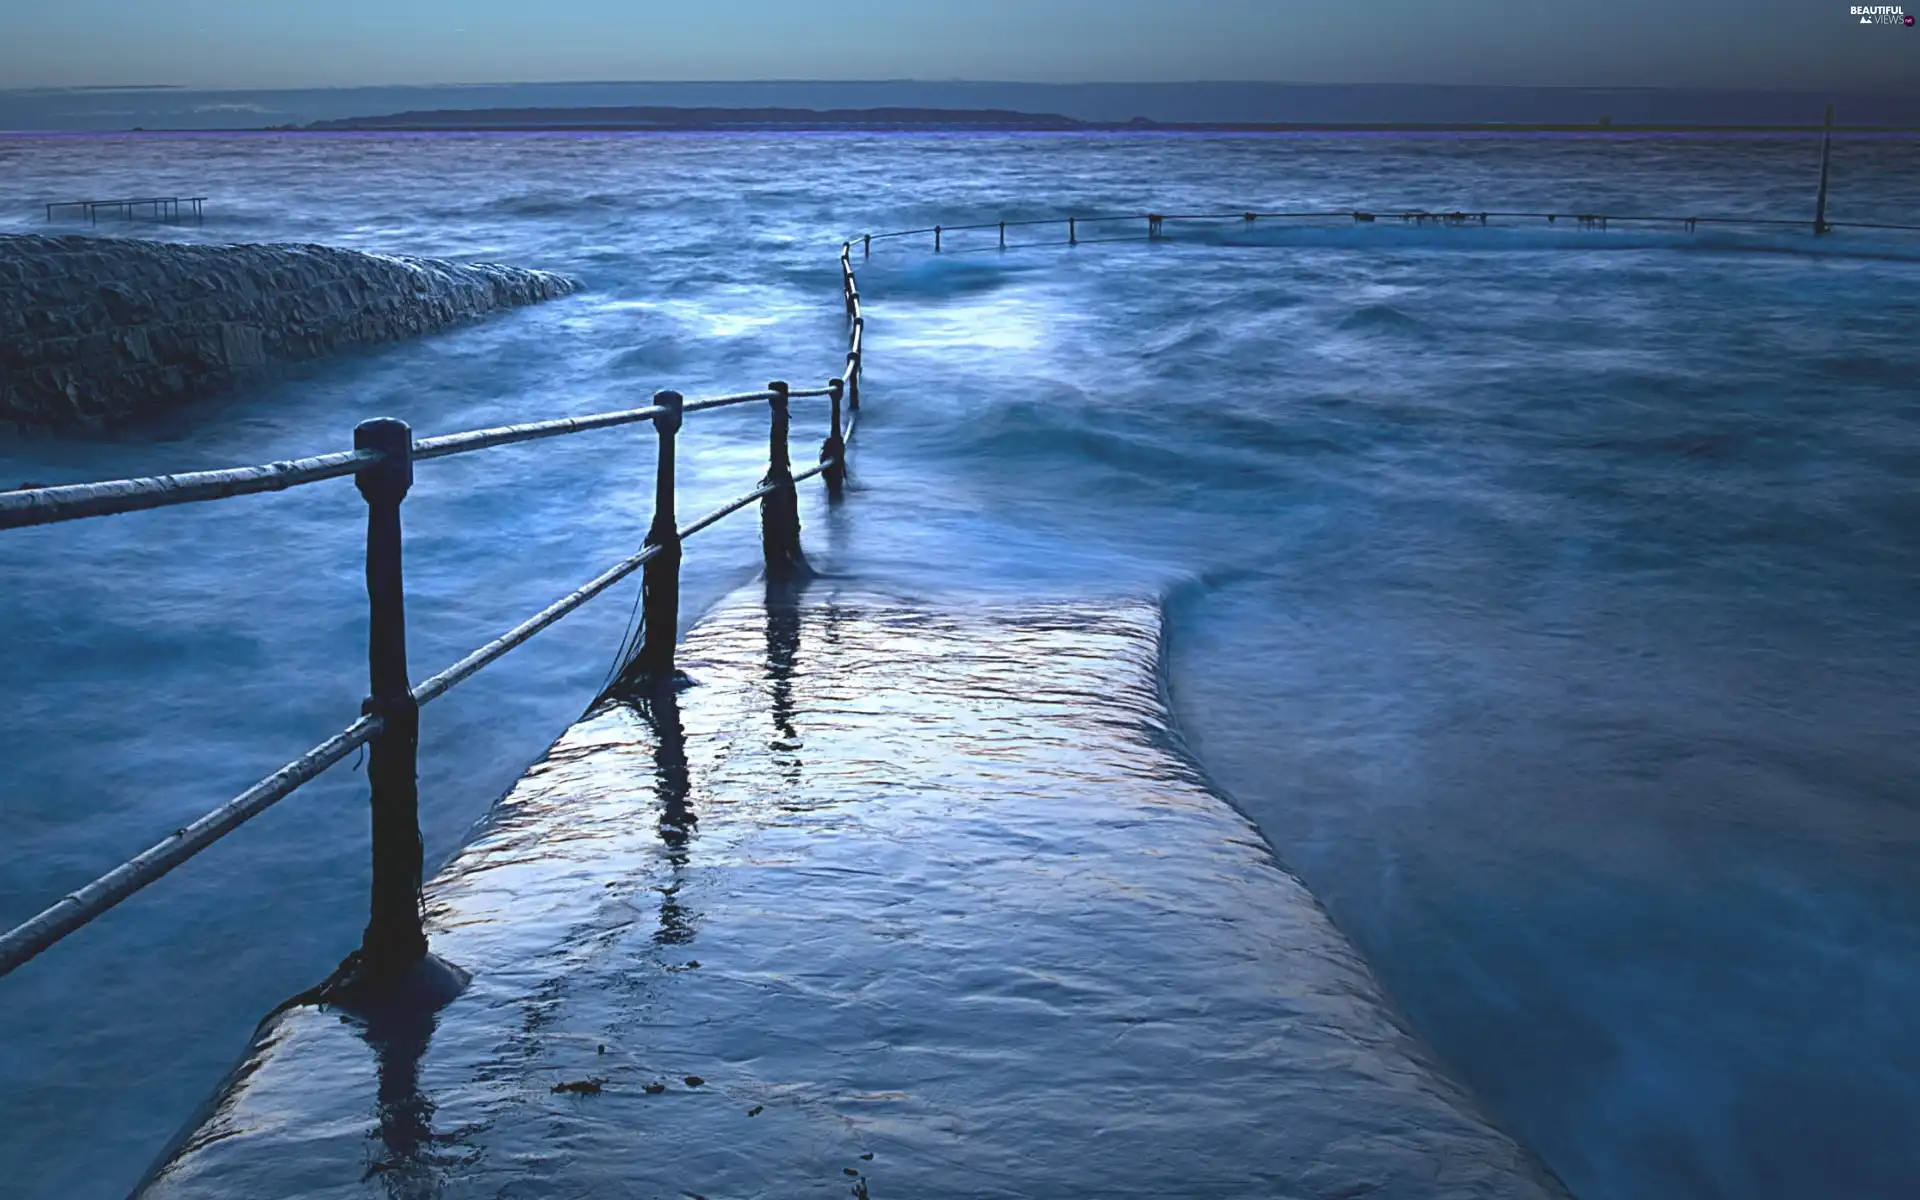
[1163, 83]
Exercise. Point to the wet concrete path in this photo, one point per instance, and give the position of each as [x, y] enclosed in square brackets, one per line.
[890, 904]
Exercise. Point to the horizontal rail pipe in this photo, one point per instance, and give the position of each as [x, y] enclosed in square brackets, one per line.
[507, 435]
[439, 685]
[726, 510]
[71, 502]
[22, 943]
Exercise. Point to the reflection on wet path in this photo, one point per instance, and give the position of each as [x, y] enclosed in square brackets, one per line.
[889, 903]
[405, 1157]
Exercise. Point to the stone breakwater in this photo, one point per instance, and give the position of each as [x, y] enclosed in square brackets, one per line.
[95, 331]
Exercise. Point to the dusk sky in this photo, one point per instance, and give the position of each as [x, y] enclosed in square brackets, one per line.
[280, 43]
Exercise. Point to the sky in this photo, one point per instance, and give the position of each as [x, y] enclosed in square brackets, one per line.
[1763, 44]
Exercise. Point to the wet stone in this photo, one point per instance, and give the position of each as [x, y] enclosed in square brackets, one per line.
[976, 932]
[204, 318]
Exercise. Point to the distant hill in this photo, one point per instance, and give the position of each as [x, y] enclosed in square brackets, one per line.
[1103, 105]
[905, 119]
[669, 117]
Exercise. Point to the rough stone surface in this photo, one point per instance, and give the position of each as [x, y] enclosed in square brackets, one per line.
[890, 904]
[98, 330]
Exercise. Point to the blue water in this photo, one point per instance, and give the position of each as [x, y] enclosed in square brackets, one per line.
[1547, 597]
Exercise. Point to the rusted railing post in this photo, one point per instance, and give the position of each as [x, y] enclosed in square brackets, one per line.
[780, 507]
[394, 939]
[833, 451]
[936, 239]
[660, 578]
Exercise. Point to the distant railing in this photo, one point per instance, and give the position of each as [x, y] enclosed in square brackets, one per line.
[381, 463]
[1155, 223]
[156, 208]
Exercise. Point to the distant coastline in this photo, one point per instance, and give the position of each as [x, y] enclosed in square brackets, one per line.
[1218, 106]
[667, 119]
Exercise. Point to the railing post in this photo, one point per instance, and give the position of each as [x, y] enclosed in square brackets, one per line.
[833, 451]
[1073, 232]
[660, 578]
[780, 507]
[1003, 235]
[853, 382]
[394, 939]
[936, 239]
[866, 245]
[1826, 152]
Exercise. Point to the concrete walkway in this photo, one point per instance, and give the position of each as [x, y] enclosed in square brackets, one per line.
[891, 905]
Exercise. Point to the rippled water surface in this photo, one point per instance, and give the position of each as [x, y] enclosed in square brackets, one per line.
[1547, 597]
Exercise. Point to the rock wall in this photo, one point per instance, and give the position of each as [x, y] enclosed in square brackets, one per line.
[95, 331]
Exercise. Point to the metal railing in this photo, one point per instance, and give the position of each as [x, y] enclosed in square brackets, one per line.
[381, 462]
[1155, 223]
[157, 208]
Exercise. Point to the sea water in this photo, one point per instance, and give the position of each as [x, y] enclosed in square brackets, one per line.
[1549, 597]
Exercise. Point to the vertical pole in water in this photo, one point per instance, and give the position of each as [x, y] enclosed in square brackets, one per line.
[394, 939]
[1826, 151]
[833, 451]
[780, 507]
[866, 245]
[660, 578]
[936, 239]
[853, 379]
[1003, 234]
[1073, 232]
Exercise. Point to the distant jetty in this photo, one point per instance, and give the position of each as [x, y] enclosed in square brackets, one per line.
[96, 331]
[943, 120]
